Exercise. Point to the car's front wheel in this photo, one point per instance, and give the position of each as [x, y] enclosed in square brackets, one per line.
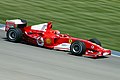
[77, 48]
[14, 35]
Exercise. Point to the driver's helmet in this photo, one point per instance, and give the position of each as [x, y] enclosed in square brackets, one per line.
[57, 32]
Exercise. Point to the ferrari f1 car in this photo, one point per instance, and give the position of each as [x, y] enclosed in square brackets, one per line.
[43, 35]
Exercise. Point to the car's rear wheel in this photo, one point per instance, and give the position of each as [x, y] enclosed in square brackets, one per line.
[77, 48]
[96, 41]
[14, 35]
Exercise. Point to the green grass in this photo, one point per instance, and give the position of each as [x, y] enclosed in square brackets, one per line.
[80, 18]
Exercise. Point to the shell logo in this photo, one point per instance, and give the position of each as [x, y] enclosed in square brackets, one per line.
[70, 40]
[92, 46]
[48, 41]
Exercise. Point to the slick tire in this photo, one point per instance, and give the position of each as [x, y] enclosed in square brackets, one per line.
[94, 40]
[14, 35]
[77, 48]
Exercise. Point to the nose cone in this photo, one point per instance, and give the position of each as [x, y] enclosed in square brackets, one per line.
[106, 52]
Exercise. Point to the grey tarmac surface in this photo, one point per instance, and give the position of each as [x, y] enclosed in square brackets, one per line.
[26, 62]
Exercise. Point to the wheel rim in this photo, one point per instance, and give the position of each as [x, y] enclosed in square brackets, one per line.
[77, 48]
[12, 35]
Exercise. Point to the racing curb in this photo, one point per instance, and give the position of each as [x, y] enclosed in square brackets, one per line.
[2, 25]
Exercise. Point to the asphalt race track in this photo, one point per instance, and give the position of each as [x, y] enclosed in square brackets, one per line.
[20, 61]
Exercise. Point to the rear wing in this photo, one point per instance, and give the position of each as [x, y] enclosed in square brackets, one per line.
[15, 23]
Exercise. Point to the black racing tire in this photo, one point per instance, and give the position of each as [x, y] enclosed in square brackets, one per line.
[14, 35]
[96, 41]
[77, 48]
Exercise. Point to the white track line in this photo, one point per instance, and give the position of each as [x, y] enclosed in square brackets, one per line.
[2, 28]
[115, 55]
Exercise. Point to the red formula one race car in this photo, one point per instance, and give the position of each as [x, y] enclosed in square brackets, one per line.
[43, 35]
